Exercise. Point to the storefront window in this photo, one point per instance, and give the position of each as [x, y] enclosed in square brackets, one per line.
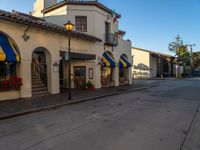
[121, 72]
[107, 76]
[123, 76]
[7, 69]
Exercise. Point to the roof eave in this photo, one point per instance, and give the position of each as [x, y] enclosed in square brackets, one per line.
[7, 16]
[63, 3]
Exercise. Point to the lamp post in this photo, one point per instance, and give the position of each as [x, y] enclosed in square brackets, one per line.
[69, 27]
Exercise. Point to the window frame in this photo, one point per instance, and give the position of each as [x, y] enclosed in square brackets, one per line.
[79, 22]
[12, 70]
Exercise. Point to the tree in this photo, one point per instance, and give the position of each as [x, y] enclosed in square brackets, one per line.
[178, 47]
[196, 59]
[182, 53]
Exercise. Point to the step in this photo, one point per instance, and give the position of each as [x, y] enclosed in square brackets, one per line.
[38, 85]
[37, 82]
[40, 92]
[33, 79]
[41, 95]
[39, 89]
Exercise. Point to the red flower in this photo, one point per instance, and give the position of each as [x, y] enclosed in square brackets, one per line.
[10, 82]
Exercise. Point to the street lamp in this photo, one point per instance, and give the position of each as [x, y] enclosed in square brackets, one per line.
[69, 27]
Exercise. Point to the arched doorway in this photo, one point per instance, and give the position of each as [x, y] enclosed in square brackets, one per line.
[41, 60]
[107, 69]
[124, 66]
[9, 59]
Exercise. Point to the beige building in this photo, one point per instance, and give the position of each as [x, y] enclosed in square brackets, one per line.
[34, 49]
[151, 64]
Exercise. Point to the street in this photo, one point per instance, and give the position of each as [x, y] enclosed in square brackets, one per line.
[165, 117]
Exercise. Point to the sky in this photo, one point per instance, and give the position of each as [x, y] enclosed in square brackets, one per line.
[149, 24]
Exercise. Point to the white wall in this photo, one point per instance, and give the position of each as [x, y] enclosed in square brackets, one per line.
[141, 57]
[153, 67]
[51, 41]
[96, 18]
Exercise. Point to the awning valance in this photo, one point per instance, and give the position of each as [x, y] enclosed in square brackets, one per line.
[79, 56]
[108, 60]
[123, 62]
[8, 51]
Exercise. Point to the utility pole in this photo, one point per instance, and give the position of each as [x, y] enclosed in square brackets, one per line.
[191, 57]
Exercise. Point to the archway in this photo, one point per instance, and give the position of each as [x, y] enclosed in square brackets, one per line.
[41, 72]
[9, 56]
[107, 69]
[124, 66]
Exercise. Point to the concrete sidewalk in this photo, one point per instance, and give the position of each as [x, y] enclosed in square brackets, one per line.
[19, 107]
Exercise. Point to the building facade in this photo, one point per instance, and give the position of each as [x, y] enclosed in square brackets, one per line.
[39, 46]
[150, 64]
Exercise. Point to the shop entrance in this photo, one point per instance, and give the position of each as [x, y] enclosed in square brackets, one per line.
[123, 76]
[124, 66]
[79, 76]
[41, 69]
[107, 76]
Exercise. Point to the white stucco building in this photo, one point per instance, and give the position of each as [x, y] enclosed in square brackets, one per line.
[151, 64]
[99, 52]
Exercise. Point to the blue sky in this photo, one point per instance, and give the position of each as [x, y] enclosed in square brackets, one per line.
[150, 24]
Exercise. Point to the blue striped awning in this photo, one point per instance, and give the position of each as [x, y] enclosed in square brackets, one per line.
[8, 50]
[108, 60]
[123, 62]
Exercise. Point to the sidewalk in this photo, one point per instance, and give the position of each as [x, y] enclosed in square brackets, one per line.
[18, 107]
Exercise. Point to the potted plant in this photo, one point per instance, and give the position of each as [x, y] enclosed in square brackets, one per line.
[10, 83]
[84, 86]
[90, 86]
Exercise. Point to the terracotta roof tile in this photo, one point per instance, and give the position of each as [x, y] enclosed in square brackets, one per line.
[29, 20]
[80, 2]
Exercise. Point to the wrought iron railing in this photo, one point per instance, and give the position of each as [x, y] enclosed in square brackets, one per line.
[111, 39]
[40, 71]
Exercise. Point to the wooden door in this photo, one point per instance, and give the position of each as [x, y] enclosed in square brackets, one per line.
[79, 76]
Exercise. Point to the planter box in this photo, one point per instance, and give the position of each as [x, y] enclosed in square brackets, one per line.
[91, 89]
[9, 89]
[12, 94]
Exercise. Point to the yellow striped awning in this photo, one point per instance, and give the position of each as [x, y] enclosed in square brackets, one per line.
[8, 49]
[108, 60]
[123, 62]
[2, 54]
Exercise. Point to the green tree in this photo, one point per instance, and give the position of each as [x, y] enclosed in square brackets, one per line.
[178, 47]
[182, 53]
[196, 59]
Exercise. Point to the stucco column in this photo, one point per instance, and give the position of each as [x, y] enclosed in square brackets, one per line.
[97, 76]
[130, 75]
[25, 74]
[116, 76]
[170, 69]
[55, 81]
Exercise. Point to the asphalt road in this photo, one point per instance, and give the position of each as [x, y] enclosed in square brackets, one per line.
[165, 117]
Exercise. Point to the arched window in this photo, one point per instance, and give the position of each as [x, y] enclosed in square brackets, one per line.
[9, 56]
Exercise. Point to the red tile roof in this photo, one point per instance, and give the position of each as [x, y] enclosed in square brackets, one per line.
[80, 2]
[29, 20]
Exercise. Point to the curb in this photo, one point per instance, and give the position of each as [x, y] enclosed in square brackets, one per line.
[23, 113]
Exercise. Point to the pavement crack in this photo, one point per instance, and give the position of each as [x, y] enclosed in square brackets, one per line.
[93, 118]
[190, 126]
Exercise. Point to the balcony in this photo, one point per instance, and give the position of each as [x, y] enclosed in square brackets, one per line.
[111, 39]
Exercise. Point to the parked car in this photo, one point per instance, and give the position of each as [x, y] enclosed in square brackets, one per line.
[196, 73]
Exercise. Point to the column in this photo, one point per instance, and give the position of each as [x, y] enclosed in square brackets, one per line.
[25, 74]
[130, 76]
[116, 76]
[169, 69]
[55, 80]
[97, 76]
